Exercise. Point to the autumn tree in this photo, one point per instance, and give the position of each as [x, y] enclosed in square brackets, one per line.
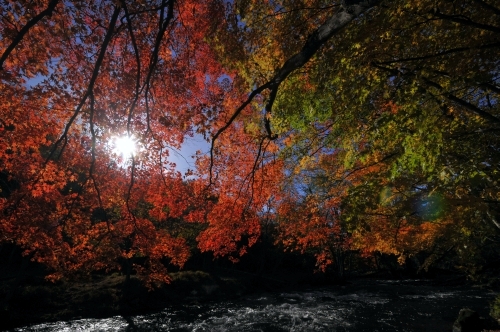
[390, 108]
[408, 87]
[78, 76]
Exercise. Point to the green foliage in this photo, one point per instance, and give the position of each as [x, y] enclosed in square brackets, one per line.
[495, 308]
[404, 102]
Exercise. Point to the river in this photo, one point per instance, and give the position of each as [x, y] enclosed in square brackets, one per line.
[364, 305]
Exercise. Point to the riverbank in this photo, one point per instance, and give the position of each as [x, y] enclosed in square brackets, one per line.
[30, 299]
[34, 300]
[108, 296]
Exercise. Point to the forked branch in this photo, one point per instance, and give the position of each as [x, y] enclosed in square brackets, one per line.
[350, 10]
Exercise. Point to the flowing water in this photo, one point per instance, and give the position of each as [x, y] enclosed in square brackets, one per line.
[361, 306]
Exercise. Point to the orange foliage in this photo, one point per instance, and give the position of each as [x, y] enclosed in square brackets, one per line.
[93, 71]
[312, 226]
[75, 74]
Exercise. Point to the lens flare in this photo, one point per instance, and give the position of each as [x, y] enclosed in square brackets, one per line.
[125, 146]
[431, 207]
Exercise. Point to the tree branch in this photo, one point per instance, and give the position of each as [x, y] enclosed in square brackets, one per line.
[163, 24]
[90, 86]
[465, 21]
[137, 59]
[487, 6]
[230, 121]
[429, 56]
[351, 10]
[466, 105]
[46, 12]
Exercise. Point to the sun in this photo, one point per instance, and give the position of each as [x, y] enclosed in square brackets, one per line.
[125, 145]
